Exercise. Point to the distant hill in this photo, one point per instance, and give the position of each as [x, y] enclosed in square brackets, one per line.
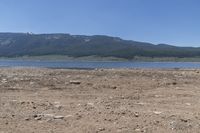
[28, 44]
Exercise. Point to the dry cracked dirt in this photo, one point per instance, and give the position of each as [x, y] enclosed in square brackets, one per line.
[41, 100]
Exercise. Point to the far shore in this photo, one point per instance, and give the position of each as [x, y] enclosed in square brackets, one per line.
[97, 58]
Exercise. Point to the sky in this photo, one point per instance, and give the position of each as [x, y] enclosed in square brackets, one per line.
[175, 22]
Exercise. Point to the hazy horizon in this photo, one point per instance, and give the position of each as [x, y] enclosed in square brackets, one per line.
[173, 22]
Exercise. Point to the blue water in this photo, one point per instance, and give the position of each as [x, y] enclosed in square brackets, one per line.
[97, 64]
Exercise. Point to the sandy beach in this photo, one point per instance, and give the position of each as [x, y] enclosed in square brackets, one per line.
[40, 100]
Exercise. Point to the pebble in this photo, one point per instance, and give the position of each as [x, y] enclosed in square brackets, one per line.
[58, 117]
[67, 116]
[38, 118]
[74, 82]
[31, 83]
[137, 130]
[58, 105]
[184, 120]
[4, 81]
[91, 104]
[48, 115]
[114, 87]
[101, 129]
[27, 119]
[157, 112]
[136, 114]
[188, 104]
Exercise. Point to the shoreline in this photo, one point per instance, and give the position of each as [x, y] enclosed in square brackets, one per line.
[103, 59]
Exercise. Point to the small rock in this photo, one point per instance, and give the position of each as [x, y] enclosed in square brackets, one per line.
[22, 102]
[157, 96]
[27, 119]
[141, 103]
[114, 87]
[136, 114]
[48, 115]
[67, 116]
[35, 115]
[74, 82]
[137, 130]
[58, 117]
[78, 116]
[57, 105]
[101, 129]
[184, 120]
[38, 118]
[188, 104]
[91, 104]
[31, 83]
[174, 83]
[4, 81]
[157, 112]
[110, 97]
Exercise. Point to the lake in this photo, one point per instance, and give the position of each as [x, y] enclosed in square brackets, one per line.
[96, 64]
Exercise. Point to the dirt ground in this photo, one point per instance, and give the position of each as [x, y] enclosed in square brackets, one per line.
[34, 100]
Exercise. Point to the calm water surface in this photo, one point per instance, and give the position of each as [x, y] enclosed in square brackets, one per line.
[97, 64]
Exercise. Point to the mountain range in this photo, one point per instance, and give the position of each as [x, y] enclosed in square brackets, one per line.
[29, 44]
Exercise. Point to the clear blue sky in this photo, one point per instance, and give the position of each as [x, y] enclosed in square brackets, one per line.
[174, 22]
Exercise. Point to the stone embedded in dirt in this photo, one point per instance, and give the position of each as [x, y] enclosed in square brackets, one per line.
[58, 117]
[138, 130]
[114, 87]
[4, 81]
[27, 119]
[67, 116]
[48, 115]
[57, 105]
[188, 104]
[141, 103]
[38, 118]
[31, 83]
[101, 129]
[76, 82]
[35, 115]
[174, 83]
[91, 104]
[123, 112]
[78, 116]
[22, 102]
[184, 120]
[157, 112]
[136, 114]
